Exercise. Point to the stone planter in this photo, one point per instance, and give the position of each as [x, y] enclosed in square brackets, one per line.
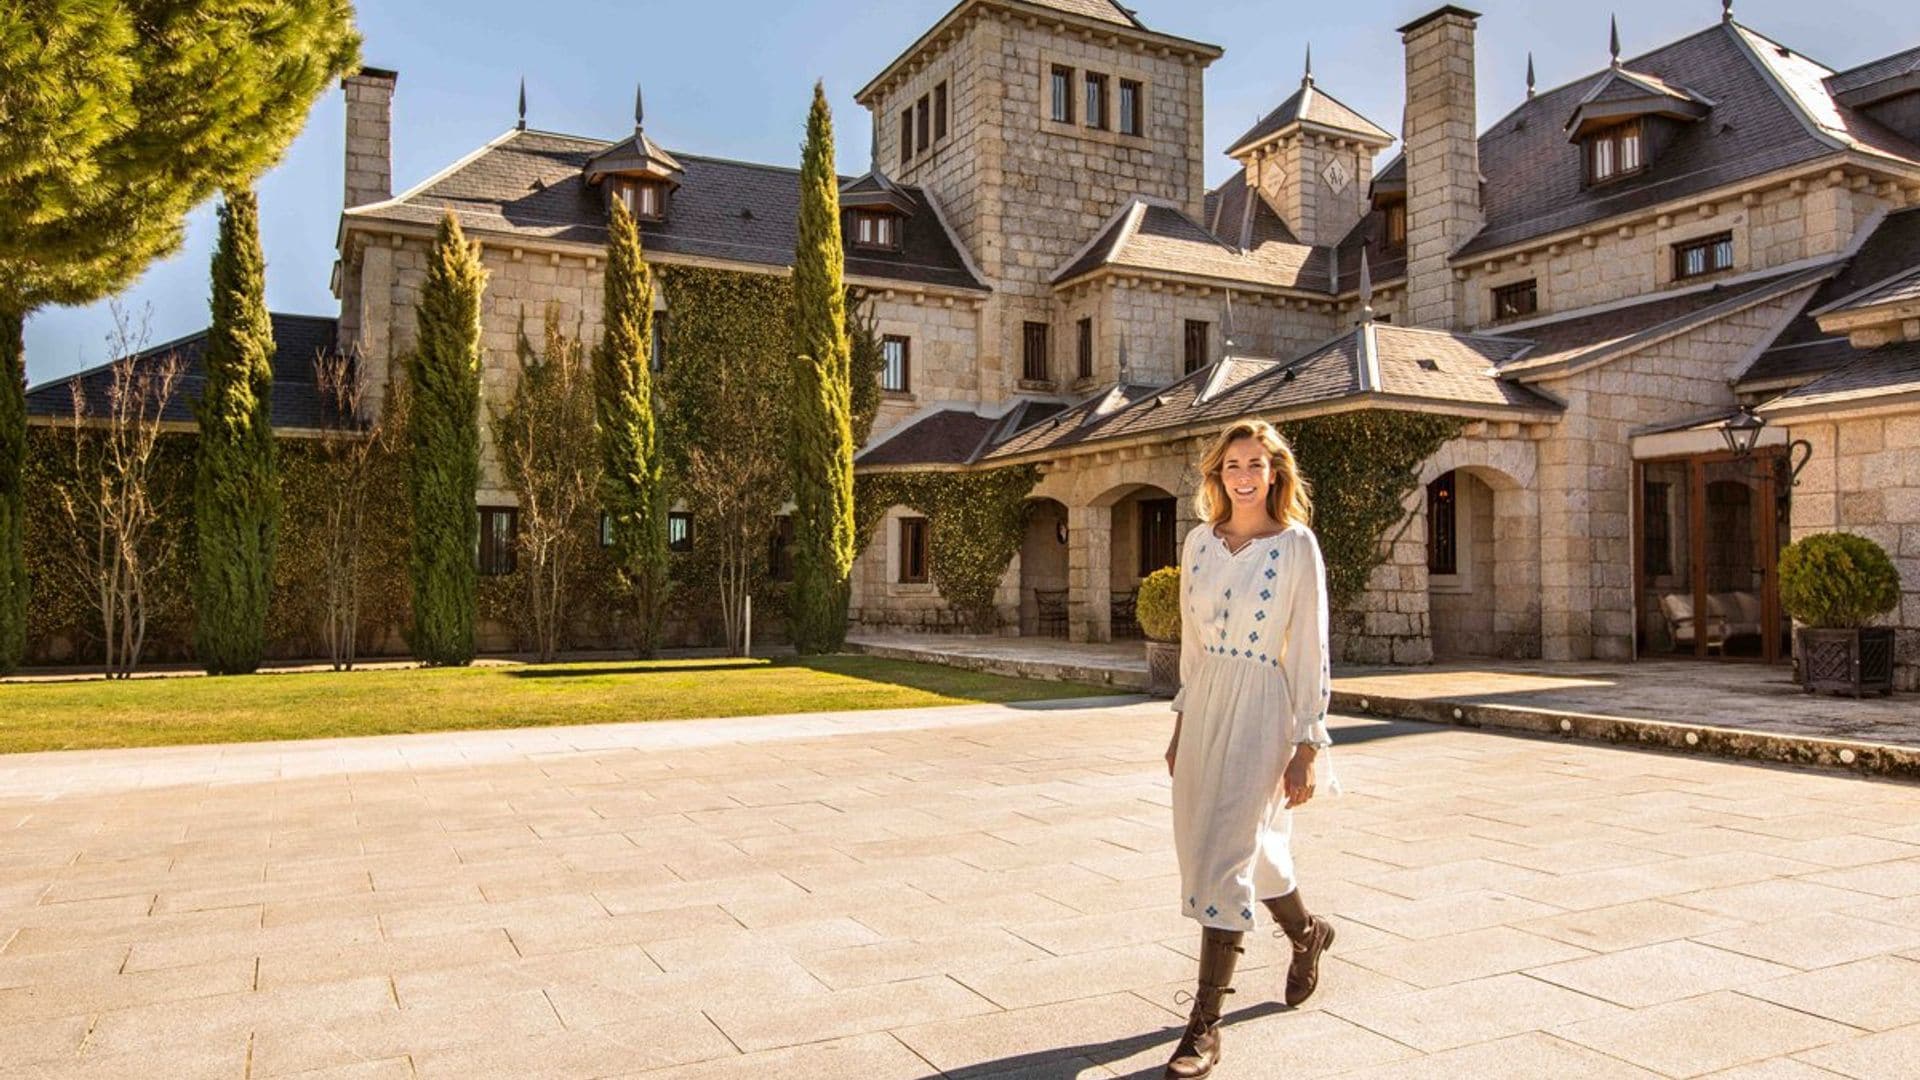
[1848, 661]
[1163, 668]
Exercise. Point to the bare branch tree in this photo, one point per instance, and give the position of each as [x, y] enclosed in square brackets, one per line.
[353, 440]
[554, 467]
[740, 483]
[110, 499]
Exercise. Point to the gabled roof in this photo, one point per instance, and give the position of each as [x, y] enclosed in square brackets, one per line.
[637, 154]
[1891, 372]
[1771, 111]
[1621, 94]
[531, 184]
[1902, 289]
[1803, 349]
[952, 437]
[1312, 106]
[297, 401]
[876, 189]
[1877, 80]
[1103, 10]
[1153, 236]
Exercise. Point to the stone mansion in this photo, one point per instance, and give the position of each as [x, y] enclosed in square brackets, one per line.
[1601, 283]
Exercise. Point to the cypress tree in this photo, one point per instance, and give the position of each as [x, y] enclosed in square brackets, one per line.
[13, 500]
[822, 445]
[236, 491]
[632, 489]
[443, 449]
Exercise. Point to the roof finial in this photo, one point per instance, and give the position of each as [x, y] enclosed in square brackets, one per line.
[1226, 342]
[1529, 76]
[1125, 374]
[1307, 78]
[1366, 289]
[522, 125]
[1613, 41]
[639, 110]
[1726, 10]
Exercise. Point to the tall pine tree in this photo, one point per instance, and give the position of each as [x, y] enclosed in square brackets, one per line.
[632, 487]
[822, 445]
[236, 490]
[443, 448]
[121, 116]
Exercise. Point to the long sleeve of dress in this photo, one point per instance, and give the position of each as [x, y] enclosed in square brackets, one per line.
[1309, 679]
[1189, 632]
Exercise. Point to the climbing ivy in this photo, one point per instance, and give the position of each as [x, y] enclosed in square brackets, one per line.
[1362, 466]
[975, 523]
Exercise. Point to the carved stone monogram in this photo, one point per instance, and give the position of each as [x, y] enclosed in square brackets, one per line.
[1336, 175]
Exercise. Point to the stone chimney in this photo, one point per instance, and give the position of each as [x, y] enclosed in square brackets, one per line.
[369, 135]
[1443, 160]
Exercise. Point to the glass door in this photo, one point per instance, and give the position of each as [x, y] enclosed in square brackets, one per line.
[1709, 530]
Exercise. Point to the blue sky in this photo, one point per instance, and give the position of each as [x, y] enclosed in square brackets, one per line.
[732, 78]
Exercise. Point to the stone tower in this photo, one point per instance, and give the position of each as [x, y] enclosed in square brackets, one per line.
[1312, 158]
[1443, 161]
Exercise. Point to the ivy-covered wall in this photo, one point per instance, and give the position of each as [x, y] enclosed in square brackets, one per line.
[975, 522]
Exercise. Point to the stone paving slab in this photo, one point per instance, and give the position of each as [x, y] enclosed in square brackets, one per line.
[985, 891]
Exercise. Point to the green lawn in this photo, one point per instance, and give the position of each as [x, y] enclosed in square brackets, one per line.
[311, 705]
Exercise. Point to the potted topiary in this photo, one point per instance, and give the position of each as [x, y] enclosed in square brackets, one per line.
[1834, 584]
[1157, 610]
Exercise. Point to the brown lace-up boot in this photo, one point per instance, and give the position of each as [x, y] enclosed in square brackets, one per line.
[1310, 934]
[1199, 1049]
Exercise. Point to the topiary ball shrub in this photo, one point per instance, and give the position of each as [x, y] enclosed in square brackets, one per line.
[1157, 609]
[1837, 581]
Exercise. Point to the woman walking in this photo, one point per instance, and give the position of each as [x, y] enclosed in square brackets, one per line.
[1249, 719]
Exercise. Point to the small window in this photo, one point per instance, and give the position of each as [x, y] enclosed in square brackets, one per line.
[1197, 346]
[940, 112]
[923, 123]
[875, 230]
[1159, 542]
[679, 530]
[913, 550]
[1517, 299]
[906, 135]
[642, 198]
[657, 348]
[1442, 543]
[1033, 352]
[1062, 95]
[1614, 152]
[1707, 255]
[1132, 108]
[498, 531]
[896, 354]
[780, 549]
[1096, 94]
[1397, 225]
[1083, 348]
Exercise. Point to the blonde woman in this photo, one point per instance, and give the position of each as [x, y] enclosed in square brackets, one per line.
[1249, 719]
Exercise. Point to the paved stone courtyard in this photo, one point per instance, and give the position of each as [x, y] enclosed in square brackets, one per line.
[978, 891]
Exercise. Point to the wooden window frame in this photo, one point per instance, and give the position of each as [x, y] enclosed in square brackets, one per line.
[1710, 246]
[885, 235]
[1443, 525]
[906, 363]
[1197, 345]
[1159, 534]
[1098, 110]
[1132, 107]
[923, 124]
[1396, 225]
[1615, 141]
[940, 110]
[490, 560]
[630, 191]
[1035, 347]
[1515, 300]
[906, 135]
[1083, 347]
[1060, 95]
[683, 518]
[913, 551]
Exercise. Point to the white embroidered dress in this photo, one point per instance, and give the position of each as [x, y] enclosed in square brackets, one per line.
[1253, 682]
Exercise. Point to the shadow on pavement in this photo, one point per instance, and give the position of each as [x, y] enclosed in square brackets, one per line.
[1068, 1062]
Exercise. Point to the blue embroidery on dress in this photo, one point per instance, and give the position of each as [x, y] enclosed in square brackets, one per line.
[1246, 913]
[1212, 911]
[1229, 594]
[1272, 573]
[1236, 652]
[1260, 616]
[1255, 636]
[1273, 553]
[1266, 594]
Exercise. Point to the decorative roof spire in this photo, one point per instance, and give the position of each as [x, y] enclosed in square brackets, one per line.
[1126, 371]
[1529, 76]
[1226, 342]
[522, 125]
[1366, 289]
[639, 111]
[1307, 78]
[1613, 40]
[1726, 10]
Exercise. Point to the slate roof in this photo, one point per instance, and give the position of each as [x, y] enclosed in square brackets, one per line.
[1375, 360]
[1902, 289]
[1846, 83]
[1154, 236]
[1310, 105]
[297, 402]
[1772, 110]
[1104, 10]
[1888, 371]
[948, 437]
[530, 183]
[1803, 350]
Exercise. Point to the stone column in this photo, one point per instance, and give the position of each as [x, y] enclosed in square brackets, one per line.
[369, 165]
[1443, 160]
[1089, 573]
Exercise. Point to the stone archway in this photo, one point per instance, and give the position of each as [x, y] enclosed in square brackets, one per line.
[1043, 570]
[1481, 521]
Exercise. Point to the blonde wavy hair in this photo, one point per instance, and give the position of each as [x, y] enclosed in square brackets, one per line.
[1288, 500]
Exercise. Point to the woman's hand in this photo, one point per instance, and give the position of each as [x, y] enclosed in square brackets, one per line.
[1297, 782]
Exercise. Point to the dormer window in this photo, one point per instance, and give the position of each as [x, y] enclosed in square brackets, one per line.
[644, 199]
[1397, 225]
[1614, 152]
[875, 229]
